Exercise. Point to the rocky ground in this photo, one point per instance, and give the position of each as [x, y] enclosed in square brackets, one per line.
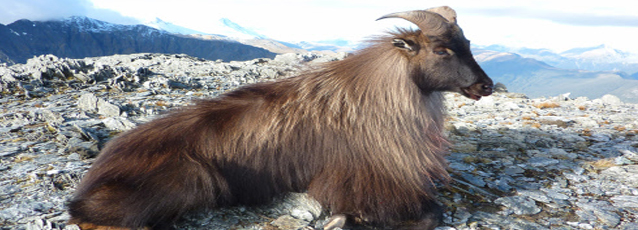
[517, 163]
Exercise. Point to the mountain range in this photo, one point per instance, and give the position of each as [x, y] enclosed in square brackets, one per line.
[536, 78]
[597, 58]
[590, 72]
[79, 37]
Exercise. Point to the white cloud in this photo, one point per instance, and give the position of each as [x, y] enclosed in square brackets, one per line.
[40, 10]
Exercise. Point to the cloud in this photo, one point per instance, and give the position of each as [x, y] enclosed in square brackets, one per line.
[39, 10]
[561, 17]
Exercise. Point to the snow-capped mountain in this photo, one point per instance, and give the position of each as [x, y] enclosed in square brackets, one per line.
[536, 78]
[598, 58]
[170, 27]
[240, 30]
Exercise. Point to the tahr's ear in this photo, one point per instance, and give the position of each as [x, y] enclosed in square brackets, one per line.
[404, 44]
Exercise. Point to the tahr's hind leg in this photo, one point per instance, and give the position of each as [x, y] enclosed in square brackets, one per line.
[431, 217]
[89, 226]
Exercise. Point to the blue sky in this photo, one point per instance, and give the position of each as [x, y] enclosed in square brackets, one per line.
[557, 25]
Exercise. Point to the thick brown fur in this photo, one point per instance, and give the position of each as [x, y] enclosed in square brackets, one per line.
[363, 136]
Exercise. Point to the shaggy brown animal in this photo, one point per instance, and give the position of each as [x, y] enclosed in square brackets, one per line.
[363, 136]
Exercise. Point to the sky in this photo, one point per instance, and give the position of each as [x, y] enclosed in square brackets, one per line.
[551, 24]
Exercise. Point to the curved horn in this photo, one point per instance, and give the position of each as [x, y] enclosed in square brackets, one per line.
[445, 12]
[431, 21]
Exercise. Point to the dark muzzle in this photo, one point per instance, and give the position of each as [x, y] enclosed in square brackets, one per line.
[478, 90]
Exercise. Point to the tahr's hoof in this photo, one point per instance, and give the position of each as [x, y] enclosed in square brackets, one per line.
[335, 222]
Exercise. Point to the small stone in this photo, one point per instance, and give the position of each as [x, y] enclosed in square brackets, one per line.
[519, 205]
[485, 102]
[49, 116]
[463, 128]
[542, 161]
[475, 180]
[510, 106]
[555, 120]
[575, 177]
[500, 88]
[118, 123]
[461, 166]
[302, 214]
[513, 170]
[610, 99]
[501, 184]
[562, 154]
[555, 194]
[289, 222]
[586, 122]
[535, 195]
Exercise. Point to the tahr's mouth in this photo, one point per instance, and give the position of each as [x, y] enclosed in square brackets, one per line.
[477, 91]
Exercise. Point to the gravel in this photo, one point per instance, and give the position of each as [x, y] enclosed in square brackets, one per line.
[516, 162]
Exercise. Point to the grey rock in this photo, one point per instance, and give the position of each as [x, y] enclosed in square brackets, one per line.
[495, 221]
[107, 109]
[576, 162]
[289, 222]
[486, 102]
[518, 205]
[628, 154]
[610, 99]
[598, 212]
[500, 88]
[118, 123]
[463, 128]
[554, 194]
[88, 102]
[555, 120]
[542, 161]
[575, 178]
[628, 226]
[625, 201]
[48, 116]
[475, 180]
[502, 184]
[513, 170]
[562, 154]
[289, 58]
[535, 195]
[9, 150]
[510, 106]
[626, 174]
[461, 166]
[586, 122]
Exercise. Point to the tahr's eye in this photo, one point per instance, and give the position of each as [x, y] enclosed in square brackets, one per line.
[441, 51]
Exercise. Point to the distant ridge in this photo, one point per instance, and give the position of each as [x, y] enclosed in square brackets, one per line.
[79, 37]
[536, 78]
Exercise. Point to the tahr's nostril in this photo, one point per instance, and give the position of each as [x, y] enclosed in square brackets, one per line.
[487, 86]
